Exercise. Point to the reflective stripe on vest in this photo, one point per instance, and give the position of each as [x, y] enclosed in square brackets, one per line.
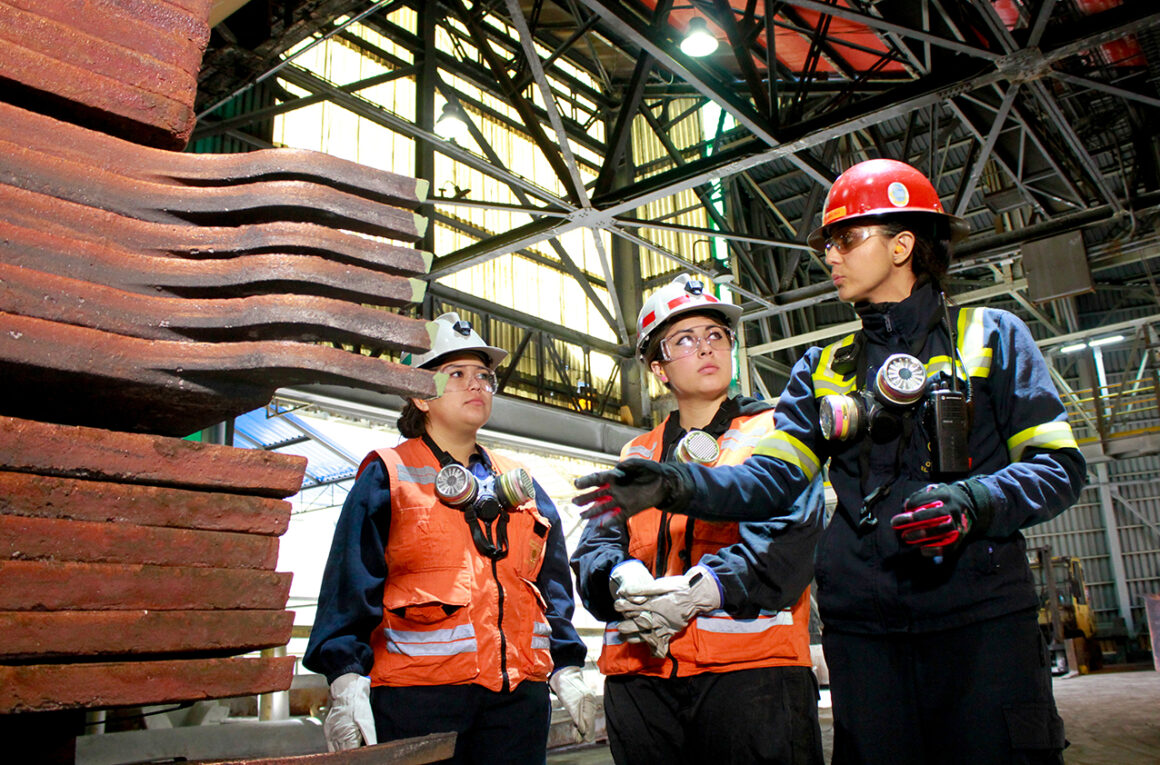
[541, 635]
[719, 621]
[447, 642]
[637, 451]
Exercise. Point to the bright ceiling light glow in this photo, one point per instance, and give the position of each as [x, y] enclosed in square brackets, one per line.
[1105, 341]
[1073, 348]
[450, 124]
[698, 40]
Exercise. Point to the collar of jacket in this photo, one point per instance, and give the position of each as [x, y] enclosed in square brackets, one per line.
[906, 318]
[730, 409]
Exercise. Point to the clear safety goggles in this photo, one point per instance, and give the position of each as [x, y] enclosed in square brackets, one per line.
[688, 341]
[461, 377]
[846, 239]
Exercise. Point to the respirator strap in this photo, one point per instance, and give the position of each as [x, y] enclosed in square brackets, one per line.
[866, 520]
[481, 535]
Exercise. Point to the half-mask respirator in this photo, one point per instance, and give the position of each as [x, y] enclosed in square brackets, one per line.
[457, 487]
[875, 412]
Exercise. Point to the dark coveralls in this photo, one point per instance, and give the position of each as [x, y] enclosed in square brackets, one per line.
[753, 715]
[929, 663]
[492, 726]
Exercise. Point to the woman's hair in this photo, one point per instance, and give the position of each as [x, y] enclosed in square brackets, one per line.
[412, 421]
[932, 245]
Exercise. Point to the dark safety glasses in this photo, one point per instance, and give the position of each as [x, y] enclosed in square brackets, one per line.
[846, 239]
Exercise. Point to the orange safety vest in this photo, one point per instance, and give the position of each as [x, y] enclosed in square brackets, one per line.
[452, 616]
[715, 641]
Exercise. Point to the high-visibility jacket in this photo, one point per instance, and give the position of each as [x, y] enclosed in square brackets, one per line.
[1021, 450]
[714, 641]
[451, 615]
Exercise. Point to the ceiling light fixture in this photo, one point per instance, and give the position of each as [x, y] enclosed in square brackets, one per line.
[698, 40]
[450, 124]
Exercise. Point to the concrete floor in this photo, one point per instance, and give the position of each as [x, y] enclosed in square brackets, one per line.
[1112, 718]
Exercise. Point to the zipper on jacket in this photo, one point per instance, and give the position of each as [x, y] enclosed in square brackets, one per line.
[499, 625]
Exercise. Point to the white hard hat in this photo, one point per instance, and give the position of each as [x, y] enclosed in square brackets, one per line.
[679, 296]
[455, 335]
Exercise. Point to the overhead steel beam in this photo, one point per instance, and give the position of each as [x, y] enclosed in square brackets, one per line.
[551, 152]
[876, 22]
[625, 24]
[377, 114]
[527, 321]
[572, 180]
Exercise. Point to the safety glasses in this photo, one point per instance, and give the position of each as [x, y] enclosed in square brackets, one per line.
[846, 239]
[688, 341]
[461, 377]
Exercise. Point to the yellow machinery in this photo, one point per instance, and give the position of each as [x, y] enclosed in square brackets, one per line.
[1065, 615]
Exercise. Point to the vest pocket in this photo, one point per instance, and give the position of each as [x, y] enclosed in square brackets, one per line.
[427, 637]
[720, 639]
[535, 646]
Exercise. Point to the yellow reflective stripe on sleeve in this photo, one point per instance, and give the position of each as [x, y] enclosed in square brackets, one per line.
[972, 343]
[1050, 435]
[790, 450]
[827, 382]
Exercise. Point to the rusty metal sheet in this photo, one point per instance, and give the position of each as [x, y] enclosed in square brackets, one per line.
[166, 387]
[73, 635]
[174, 38]
[259, 202]
[262, 317]
[78, 452]
[99, 685]
[129, 160]
[42, 496]
[234, 277]
[70, 220]
[70, 41]
[99, 102]
[52, 539]
[32, 585]
[128, 67]
[436, 747]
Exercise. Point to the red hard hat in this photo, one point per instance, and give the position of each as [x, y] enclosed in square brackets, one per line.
[882, 187]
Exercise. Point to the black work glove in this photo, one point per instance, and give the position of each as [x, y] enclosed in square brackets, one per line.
[634, 485]
[938, 519]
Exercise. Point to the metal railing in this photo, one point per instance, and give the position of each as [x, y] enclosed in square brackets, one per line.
[1117, 410]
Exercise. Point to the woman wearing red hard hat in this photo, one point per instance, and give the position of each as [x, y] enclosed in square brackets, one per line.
[944, 437]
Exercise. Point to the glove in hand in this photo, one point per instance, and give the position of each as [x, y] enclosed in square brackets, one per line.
[628, 577]
[675, 600]
[349, 722]
[650, 628]
[937, 520]
[577, 697]
[634, 485]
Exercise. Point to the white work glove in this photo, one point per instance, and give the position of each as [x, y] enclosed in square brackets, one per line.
[349, 721]
[629, 577]
[578, 699]
[647, 627]
[674, 600]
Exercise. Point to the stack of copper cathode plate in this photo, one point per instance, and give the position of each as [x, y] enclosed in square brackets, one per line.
[146, 294]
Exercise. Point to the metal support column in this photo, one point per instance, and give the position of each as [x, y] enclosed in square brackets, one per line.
[1115, 550]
